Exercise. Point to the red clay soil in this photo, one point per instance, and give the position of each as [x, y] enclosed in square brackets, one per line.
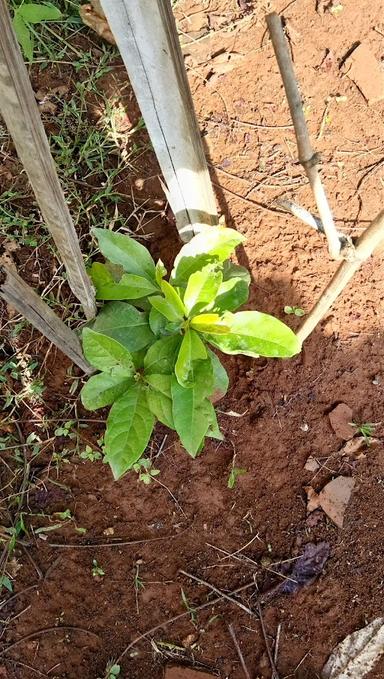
[274, 417]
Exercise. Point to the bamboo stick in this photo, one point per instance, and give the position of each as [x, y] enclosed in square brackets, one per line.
[145, 33]
[22, 118]
[365, 246]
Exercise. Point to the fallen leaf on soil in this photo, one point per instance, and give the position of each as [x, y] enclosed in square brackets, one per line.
[363, 68]
[93, 16]
[311, 464]
[354, 447]
[181, 672]
[333, 499]
[354, 657]
[306, 568]
[340, 419]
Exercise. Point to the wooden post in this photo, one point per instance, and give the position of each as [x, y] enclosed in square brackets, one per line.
[21, 115]
[28, 303]
[146, 35]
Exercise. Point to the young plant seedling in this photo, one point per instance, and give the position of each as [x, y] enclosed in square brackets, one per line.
[97, 571]
[234, 475]
[25, 16]
[366, 429]
[145, 470]
[152, 340]
[295, 310]
[89, 454]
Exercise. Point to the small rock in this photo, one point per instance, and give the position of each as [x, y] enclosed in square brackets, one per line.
[311, 464]
[109, 531]
[333, 499]
[363, 68]
[340, 419]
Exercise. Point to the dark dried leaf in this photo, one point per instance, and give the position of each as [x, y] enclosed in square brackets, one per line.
[306, 568]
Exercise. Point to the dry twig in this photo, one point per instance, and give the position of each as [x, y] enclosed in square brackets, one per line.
[307, 157]
[231, 630]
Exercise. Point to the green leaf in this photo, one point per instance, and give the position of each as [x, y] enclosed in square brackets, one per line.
[256, 334]
[129, 287]
[161, 356]
[220, 378]
[129, 427]
[173, 298]
[6, 582]
[160, 272]
[211, 323]
[106, 354]
[234, 474]
[202, 288]
[157, 322]
[102, 390]
[234, 290]
[191, 350]
[215, 244]
[191, 415]
[125, 324]
[213, 430]
[131, 255]
[159, 398]
[138, 358]
[24, 36]
[33, 13]
[164, 307]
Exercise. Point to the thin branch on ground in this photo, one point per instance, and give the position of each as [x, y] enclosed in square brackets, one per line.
[307, 157]
[223, 595]
[121, 543]
[48, 630]
[236, 644]
[161, 625]
[275, 674]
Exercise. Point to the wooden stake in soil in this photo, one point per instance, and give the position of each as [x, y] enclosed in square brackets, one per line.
[21, 115]
[146, 35]
[307, 157]
[372, 237]
[25, 300]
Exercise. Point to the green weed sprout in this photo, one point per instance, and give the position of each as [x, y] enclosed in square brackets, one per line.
[152, 341]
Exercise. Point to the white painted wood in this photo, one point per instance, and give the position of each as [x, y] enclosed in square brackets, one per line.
[146, 36]
[22, 118]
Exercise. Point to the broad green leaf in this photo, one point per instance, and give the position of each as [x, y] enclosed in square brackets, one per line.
[138, 358]
[34, 13]
[233, 476]
[191, 416]
[256, 334]
[211, 323]
[191, 350]
[203, 379]
[129, 427]
[165, 308]
[123, 250]
[215, 244]
[161, 356]
[124, 286]
[160, 272]
[106, 354]
[213, 430]
[220, 378]
[24, 36]
[103, 389]
[159, 398]
[157, 322]
[125, 324]
[173, 298]
[234, 290]
[202, 288]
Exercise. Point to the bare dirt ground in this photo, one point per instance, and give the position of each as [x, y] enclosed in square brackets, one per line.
[274, 417]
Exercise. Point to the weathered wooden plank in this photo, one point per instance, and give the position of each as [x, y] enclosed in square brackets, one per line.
[28, 303]
[21, 115]
[146, 35]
